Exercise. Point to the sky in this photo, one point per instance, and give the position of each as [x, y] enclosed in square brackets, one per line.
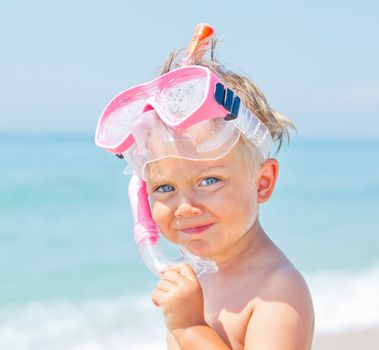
[316, 62]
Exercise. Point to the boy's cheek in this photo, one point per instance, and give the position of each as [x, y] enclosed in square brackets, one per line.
[162, 216]
[160, 213]
[239, 198]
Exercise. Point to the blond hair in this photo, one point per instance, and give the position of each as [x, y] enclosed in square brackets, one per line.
[251, 96]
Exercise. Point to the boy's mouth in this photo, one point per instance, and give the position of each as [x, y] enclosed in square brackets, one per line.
[196, 229]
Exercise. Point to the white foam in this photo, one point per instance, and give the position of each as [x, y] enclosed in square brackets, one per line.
[123, 323]
[345, 300]
[342, 300]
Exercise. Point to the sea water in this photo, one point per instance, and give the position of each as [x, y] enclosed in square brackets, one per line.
[71, 276]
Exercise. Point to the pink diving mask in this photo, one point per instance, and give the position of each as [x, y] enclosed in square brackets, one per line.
[187, 113]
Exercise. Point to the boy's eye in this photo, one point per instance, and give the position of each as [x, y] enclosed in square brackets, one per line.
[209, 181]
[164, 188]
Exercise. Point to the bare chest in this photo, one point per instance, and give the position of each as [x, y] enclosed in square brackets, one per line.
[229, 317]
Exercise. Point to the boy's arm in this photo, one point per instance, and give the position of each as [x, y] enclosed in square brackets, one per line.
[179, 294]
[283, 318]
[196, 337]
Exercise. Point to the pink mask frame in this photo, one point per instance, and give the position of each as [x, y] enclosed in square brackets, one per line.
[217, 101]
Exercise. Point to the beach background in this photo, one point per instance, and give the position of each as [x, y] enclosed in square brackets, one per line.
[70, 275]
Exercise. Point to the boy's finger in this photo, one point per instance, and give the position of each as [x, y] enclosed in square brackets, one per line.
[157, 297]
[172, 275]
[165, 285]
[185, 270]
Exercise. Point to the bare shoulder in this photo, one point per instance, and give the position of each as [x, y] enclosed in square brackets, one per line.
[285, 283]
[283, 315]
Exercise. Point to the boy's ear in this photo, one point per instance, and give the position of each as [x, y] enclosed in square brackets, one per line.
[267, 179]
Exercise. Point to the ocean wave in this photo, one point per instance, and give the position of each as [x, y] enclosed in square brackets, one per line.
[342, 300]
[122, 323]
[345, 299]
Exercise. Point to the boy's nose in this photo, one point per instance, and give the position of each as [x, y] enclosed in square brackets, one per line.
[187, 210]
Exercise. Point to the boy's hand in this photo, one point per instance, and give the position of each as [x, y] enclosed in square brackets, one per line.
[180, 296]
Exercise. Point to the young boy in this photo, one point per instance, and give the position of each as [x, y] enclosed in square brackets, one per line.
[200, 137]
[257, 299]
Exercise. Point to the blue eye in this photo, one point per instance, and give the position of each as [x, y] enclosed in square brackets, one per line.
[164, 188]
[209, 181]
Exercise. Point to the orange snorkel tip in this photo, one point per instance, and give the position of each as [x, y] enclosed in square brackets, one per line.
[199, 44]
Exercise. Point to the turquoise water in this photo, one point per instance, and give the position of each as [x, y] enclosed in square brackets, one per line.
[67, 252]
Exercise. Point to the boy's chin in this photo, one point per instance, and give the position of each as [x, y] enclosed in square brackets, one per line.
[201, 249]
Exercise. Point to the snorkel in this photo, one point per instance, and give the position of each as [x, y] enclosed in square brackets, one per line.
[146, 231]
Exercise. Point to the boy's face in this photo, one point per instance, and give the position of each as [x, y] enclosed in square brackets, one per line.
[206, 206]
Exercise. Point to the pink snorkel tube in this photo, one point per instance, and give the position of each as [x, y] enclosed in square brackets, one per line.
[146, 232]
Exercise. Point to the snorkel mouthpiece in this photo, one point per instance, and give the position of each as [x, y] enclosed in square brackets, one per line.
[146, 235]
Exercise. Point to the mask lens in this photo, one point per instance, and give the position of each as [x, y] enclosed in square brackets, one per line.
[117, 125]
[178, 100]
